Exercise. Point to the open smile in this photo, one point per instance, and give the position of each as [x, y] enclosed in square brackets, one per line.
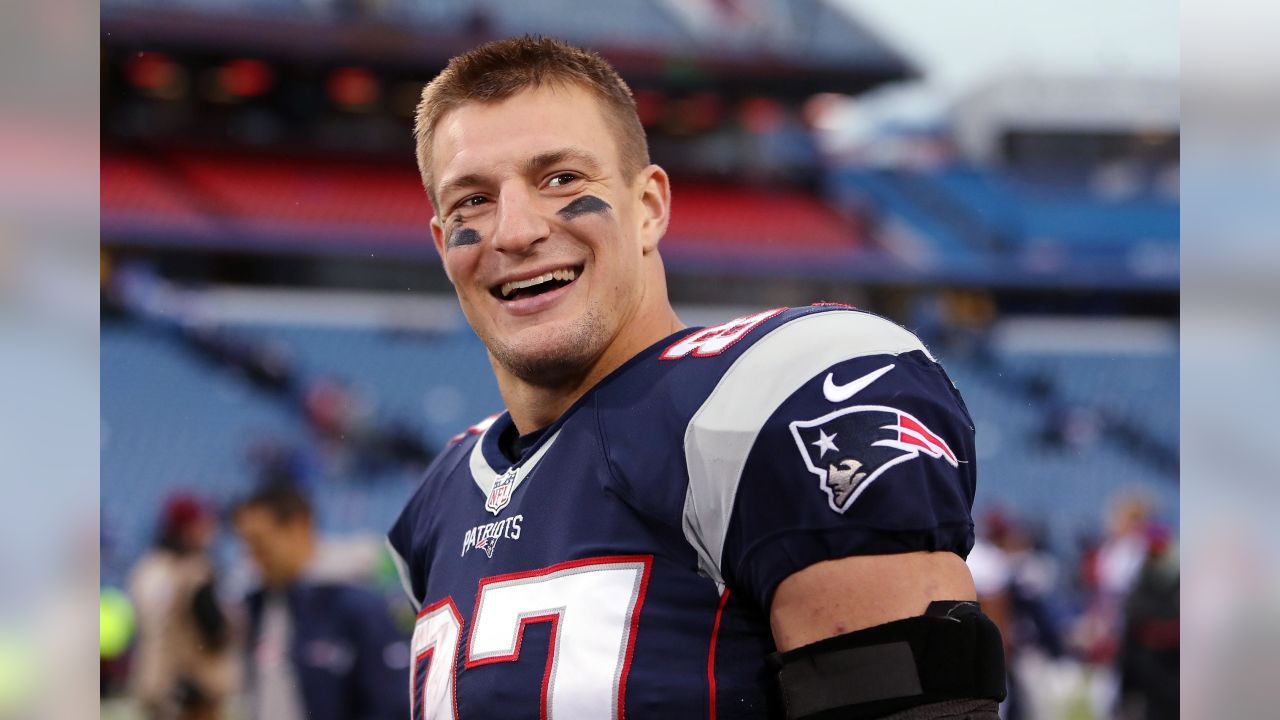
[530, 287]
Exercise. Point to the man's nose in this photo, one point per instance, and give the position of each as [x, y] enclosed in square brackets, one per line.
[520, 222]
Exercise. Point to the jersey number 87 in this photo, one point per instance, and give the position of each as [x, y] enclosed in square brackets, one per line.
[593, 606]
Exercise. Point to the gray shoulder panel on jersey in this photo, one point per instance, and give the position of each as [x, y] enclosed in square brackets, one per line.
[723, 431]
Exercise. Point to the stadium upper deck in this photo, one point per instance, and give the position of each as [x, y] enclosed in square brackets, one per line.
[792, 47]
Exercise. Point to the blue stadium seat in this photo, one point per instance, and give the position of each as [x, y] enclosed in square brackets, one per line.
[982, 218]
[1066, 488]
[173, 420]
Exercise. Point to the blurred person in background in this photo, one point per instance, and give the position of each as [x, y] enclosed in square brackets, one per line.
[670, 521]
[1111, 572]
[184, 663]
[1034, 588]
[1151, 644]
[1041, 678]
[991, 579]
[319, 646]
[1124, 552]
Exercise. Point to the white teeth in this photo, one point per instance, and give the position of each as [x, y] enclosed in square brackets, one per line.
[565, 274]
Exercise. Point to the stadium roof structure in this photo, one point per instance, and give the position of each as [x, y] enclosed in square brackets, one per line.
[1051, 102]
[790, 49]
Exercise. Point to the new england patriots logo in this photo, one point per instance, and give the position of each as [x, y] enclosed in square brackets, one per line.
[488, 545]
[849, 448]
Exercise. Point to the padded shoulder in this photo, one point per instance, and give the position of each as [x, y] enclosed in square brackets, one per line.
[723, 431]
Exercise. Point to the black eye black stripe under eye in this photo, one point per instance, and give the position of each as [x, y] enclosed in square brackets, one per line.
[463, 236]
[582, 206]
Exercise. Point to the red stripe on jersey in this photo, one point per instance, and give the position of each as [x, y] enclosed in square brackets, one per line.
[428, 655]
[631, 635]
[554, 619]
[711, 653]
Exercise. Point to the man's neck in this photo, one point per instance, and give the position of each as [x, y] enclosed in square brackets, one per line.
[535, 406]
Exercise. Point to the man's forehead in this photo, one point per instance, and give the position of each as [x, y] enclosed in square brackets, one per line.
[515, 130]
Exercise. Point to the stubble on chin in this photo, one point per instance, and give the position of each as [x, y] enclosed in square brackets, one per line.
[562, 360]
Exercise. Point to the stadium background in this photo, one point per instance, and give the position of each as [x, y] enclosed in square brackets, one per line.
[273, 307]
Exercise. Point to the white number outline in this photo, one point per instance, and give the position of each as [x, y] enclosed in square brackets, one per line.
[640, 565]
[438, 623]
[712, 341]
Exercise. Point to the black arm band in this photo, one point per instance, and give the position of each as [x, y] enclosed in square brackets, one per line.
[952, 652]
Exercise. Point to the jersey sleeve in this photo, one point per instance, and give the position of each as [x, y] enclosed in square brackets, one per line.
[835, 435]
[409, 537]
[400, 543]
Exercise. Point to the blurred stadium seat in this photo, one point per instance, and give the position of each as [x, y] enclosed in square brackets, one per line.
[173, 418]
[1010, 230]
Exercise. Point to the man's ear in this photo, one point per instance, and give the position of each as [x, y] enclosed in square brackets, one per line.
[437, 236]
[655, 206]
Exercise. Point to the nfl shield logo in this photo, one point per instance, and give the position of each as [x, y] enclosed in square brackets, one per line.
[500, 493]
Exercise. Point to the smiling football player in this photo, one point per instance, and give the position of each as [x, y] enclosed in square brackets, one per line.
[765, 518]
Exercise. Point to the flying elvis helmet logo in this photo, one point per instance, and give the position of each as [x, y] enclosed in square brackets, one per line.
[488, 544]
[849, 448]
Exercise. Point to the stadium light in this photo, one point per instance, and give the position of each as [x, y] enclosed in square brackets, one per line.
[156, 74]
[353, 88]
[246, 78]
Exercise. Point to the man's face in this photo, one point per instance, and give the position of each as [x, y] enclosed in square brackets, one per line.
[279, 548]
[541, 234]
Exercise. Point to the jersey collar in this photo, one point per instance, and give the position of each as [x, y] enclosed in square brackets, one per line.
[488, 463]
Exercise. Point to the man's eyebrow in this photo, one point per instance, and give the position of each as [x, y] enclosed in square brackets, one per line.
[461, 182]
[551, 158]
[538, 163]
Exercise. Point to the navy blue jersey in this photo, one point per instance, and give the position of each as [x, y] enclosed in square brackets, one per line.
[625, 565]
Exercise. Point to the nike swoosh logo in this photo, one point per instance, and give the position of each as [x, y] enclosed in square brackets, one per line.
[839, 393]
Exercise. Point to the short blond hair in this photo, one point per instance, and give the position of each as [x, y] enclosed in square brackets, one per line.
[498, 70]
